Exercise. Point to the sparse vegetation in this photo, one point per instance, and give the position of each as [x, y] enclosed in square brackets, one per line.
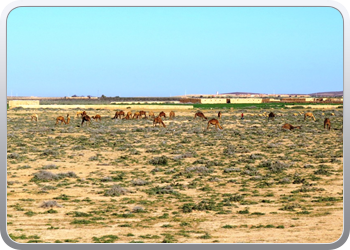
[178, 184]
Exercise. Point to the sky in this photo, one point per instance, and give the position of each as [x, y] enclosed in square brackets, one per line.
[170, 51]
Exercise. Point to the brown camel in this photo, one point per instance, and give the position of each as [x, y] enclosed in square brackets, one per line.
[290, 127]
[136, 115]
[159, 121]
[60, 119]
[219, 115]
[200, 114]
[34, 117]
[68, 119]
[85, 118]
[118, 114]
[162, 114]
[143, 113]
[129, 114]
[327, 122]
[172, 114]
[214, 122]
[96, 117]
[271, 116]
[309, 114]
[151, 114]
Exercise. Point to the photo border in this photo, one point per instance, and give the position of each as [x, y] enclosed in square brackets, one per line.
[169, 3]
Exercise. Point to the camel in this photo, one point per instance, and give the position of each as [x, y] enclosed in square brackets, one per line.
[68, 119]
[159, 121]
[162, 114]
[214, 122]
[172, 114]
[83, 113]
[142, 113]
[200, 114]
[219, 115]
[119, 114]
[309, 114]
[327, 122]
[34, 117]
[290, 127]
[96, 117]
[129, 114]
[136, 115]
[85, 118]
[60, 119]
[151, 114]
[272, 116]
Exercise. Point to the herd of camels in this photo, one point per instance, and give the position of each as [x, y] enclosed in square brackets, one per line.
[158, 119]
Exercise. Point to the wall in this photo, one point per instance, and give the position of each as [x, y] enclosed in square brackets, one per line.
[213, 100]
[246, 100]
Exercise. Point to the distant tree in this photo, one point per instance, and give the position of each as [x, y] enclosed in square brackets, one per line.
[103, 97]
[74, 95]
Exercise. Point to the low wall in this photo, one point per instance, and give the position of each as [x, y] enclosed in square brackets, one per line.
[246, 100]
[213, 100]
[109, 107]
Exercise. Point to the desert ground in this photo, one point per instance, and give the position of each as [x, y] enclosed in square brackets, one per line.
[126, 181]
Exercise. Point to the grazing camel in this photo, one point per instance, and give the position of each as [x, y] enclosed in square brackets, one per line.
[172, 114]
[151, 114]
[162, 114]
[200, 114]
[118, 114]
[96, 117]
[327, 122]
[290, 127]
[68, 119]
[309, 114]
[214, 122]
[129, 114]
[60, 119]
[85, 118]
[34, 117]
[271, 116]
[219, 115]
[159, 121]
[136, 115]
[143, 113]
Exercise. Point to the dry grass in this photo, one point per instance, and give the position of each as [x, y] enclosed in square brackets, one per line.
[127, 181]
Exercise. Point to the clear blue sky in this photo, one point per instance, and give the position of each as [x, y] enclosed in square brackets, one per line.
[153, 51]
